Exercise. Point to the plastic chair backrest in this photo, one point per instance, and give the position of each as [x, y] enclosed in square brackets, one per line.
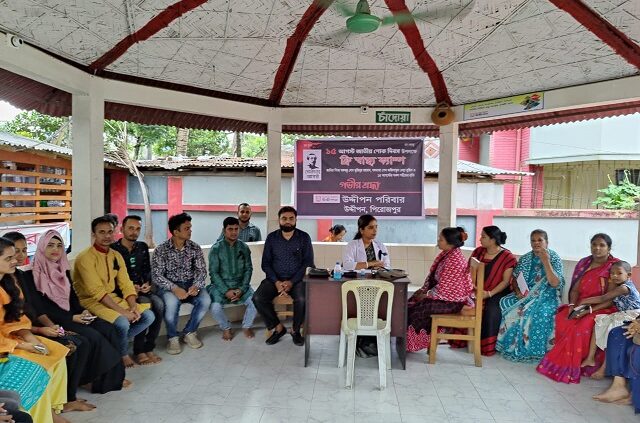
[367, 294]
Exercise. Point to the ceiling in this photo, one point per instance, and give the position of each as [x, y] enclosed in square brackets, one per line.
[483, 49]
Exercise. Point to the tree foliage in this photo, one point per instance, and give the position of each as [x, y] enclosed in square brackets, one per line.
[621, 196]
[37, 126]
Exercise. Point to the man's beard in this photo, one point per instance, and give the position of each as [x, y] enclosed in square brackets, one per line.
[244, 219]
[287, 228]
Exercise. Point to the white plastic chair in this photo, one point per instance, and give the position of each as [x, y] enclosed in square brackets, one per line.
[366, 323]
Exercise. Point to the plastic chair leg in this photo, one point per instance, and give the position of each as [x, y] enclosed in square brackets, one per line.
[351, 359]
[388, 350]
[382, 360]
[341, 349]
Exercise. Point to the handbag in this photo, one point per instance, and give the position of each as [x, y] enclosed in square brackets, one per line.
[315, 272]
[391, 274]
[25, 377]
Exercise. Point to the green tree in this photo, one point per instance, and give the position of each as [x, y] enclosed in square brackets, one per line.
[37, 126]
[203, 142]
[621, 196]
[160, 139]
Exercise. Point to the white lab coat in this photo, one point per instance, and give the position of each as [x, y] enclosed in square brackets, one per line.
[354, 253]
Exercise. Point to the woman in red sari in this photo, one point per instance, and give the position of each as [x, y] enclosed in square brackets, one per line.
[573, 335]
[498, 267]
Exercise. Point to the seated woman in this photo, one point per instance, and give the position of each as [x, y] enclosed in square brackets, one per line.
[527, 324]
[498, 267]
[446, 290]
[17, 342]
[573, 330]
[364, 251]
[48, 289]
[336, 233]
[623, 362]
[77, 358]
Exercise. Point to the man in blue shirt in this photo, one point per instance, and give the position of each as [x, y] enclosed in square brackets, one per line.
[287, 254]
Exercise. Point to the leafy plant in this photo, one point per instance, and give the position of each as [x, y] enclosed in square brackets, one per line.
[621, 196]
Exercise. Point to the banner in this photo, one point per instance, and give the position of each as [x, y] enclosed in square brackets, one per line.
[352, 177]
[504, 106]
[34, 232]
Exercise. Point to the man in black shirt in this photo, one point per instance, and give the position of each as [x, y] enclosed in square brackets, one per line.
[136, 256]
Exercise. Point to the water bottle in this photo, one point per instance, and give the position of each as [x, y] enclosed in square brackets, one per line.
[362, 273]
[337, 271]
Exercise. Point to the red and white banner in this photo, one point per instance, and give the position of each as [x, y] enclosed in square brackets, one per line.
[34, 232]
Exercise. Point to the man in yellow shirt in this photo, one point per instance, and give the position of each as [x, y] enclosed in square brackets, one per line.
[103, 286]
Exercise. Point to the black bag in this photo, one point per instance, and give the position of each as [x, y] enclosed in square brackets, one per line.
[391, 274]
[315, 272]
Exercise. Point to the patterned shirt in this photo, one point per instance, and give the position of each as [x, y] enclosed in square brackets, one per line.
[172, 267]
[250, 233]
[284, 259]
[631, 301]
[137, 260]
[230, 268]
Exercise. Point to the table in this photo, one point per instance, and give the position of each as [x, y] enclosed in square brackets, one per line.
[323, 312]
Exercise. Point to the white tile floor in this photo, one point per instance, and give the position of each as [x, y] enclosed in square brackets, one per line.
[248, 381]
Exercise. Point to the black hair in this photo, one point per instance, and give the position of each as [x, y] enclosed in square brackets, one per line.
[102, 219]
[540, 232]
[287, 209]
[606, 238]
[496, 234]
[228, 221]
[363, 222]
[113, 217]
[15, 236]
[336, 229]
[625, 265]
[131, 217]
[14, 309]
[241, 205]
[454, 236]
[176, 220]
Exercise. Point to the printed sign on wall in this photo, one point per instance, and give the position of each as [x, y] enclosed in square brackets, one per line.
[352, 177]
[504, 106]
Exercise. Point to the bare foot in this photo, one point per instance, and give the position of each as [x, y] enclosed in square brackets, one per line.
[624, 401]
[153, 357]
[126, 384]
[612, 394]
[128, 361]
[227, 335]
[57, 418]
[248, 333]
[143, 359]
[77, 406]
[588, 362]
[598, 374]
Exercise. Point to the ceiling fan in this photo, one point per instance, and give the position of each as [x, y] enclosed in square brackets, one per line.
[361, 21]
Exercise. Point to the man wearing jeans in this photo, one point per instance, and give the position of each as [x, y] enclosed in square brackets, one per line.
[287, 254]
[230, 269]
[179, 270]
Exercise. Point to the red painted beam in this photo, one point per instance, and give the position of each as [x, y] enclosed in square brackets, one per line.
[602, 29]
[294, 44]
[425, 61]
[161, 21]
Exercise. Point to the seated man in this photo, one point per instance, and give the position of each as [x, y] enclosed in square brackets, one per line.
[287, 254]
[179, 270]
[136, 257]
[106, 290]
[230, 269]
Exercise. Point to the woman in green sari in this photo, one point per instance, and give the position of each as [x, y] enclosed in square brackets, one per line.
[527, 327]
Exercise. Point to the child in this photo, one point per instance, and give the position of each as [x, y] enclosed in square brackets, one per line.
[624, 295]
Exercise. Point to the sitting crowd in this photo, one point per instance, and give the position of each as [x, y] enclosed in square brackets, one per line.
[63, 328]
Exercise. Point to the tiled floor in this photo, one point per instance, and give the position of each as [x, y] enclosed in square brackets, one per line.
[248, 381]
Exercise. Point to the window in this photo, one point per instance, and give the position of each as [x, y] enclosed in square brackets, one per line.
[634, 175]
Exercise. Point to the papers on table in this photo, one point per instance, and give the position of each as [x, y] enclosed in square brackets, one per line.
[522, 284]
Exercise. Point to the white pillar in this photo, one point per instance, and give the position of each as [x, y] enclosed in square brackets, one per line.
[485, 149]
[447, 176]
[87, 163]
[274, 170]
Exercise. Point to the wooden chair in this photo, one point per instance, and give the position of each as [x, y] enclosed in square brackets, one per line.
[470, 322]
[283, 304]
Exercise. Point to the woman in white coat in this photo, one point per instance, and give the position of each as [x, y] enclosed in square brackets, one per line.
[364, 252]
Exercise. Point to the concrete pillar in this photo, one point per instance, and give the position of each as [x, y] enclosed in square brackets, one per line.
[447, 176]
[274, 170]
[485, 149]
[87, 163]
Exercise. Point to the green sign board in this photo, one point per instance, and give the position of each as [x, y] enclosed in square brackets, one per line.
[393, 117]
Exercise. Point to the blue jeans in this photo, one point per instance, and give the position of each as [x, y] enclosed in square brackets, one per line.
[200, 302]
[128, 330]
[217, 310]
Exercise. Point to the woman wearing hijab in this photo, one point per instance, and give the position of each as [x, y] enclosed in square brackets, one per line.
[50, 279]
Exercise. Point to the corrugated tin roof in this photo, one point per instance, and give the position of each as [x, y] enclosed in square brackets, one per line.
[28, 144]
[432, 166]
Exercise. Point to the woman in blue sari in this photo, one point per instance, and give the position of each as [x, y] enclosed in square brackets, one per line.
[527, 327]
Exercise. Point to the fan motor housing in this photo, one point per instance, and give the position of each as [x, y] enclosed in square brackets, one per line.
[363, 23]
